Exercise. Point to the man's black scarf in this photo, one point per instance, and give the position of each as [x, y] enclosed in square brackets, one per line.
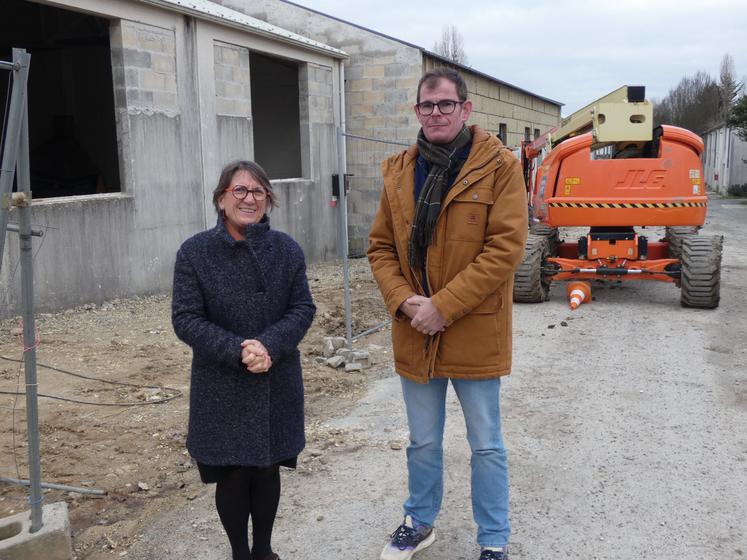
[443, 162]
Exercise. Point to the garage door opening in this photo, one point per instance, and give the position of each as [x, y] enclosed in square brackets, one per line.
[72, 129]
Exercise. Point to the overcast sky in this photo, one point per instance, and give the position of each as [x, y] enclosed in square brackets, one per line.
[572, 51]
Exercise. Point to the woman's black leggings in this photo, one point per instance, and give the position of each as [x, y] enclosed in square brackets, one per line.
[245, 492]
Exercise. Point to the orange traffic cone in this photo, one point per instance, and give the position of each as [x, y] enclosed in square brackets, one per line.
[578, 293]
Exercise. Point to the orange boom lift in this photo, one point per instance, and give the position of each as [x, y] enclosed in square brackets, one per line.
[606, 169]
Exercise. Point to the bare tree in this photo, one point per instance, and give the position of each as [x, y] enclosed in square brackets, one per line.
[451, 45]
[729, 87]
[694, 104]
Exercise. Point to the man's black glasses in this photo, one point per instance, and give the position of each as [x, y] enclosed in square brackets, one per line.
[445, 107]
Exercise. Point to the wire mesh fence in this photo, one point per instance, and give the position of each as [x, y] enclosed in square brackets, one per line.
[364, 182]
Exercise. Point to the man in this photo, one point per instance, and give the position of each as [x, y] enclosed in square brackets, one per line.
[446, 239]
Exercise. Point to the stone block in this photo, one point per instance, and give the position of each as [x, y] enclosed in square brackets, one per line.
[338, 342]
[344, 352]
[335, 361]
[363, 358]
[51, 542]
[329, 349]
[353, 367]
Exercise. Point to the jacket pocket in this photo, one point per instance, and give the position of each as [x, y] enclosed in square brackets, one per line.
[404, 347]
[467, 215]
[491, 304]
[474, 342]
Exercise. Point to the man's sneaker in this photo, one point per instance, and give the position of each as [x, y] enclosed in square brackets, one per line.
[407, 540]
[492, 553]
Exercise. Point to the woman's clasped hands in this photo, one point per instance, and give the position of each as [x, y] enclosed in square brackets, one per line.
[255, 357]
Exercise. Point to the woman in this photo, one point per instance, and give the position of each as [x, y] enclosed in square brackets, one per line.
[242, 302]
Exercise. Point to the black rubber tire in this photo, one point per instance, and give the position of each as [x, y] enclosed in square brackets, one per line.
[701, 271]
[674, 236]
[550, 233]
[530, 286]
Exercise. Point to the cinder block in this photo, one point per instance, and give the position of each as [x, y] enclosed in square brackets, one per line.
[163, 63]
[165, 100]
[135, 58]
[373, 71]
[374, 97]
[360, 85]
[51, 542]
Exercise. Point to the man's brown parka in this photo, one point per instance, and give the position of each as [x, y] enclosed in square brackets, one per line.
[478, 243]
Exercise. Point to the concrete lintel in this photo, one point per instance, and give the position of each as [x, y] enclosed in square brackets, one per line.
[51, 542]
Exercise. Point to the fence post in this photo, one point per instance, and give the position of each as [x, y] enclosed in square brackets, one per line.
[342, 234]
[19, 70]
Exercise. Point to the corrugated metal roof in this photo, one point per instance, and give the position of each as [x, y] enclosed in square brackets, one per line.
[205, 9]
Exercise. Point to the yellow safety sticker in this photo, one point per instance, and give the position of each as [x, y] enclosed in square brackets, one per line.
[573, 180]
[695, 180]
[567, 189]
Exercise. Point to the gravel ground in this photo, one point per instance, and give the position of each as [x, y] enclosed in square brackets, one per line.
[624, 420]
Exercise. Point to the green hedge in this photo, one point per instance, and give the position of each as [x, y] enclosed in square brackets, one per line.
[738, 190]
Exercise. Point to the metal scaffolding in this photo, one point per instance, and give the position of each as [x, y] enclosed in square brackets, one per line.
[15, 165]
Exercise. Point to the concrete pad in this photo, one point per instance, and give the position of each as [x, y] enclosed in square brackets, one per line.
[51, 542]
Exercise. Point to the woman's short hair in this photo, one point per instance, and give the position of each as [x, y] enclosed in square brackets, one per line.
[255, 170]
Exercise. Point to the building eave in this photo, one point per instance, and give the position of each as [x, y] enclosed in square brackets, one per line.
[209, 11]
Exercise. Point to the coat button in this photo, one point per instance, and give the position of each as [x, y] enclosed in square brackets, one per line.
[475, 196]
[465, 182]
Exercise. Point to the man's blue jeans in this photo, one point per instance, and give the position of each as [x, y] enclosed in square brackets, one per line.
[426, 413]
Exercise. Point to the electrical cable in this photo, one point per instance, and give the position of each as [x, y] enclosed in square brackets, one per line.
[176, 393]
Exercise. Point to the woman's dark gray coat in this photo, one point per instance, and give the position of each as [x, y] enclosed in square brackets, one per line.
[226, 291]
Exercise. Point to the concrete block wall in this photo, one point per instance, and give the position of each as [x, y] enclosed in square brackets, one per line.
[233, 102]
[144, 65]
[232, 80]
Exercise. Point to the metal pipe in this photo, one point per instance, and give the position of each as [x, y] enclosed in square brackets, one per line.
[53, 486]
[342, 232]
[29, 361]
[357, 137]
[7, 65]
[14, 228]
[21, 60]
[372, 329]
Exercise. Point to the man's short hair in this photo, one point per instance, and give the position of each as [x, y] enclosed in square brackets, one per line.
[432, 77]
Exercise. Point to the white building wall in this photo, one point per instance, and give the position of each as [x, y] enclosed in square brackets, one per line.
[724, 159]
